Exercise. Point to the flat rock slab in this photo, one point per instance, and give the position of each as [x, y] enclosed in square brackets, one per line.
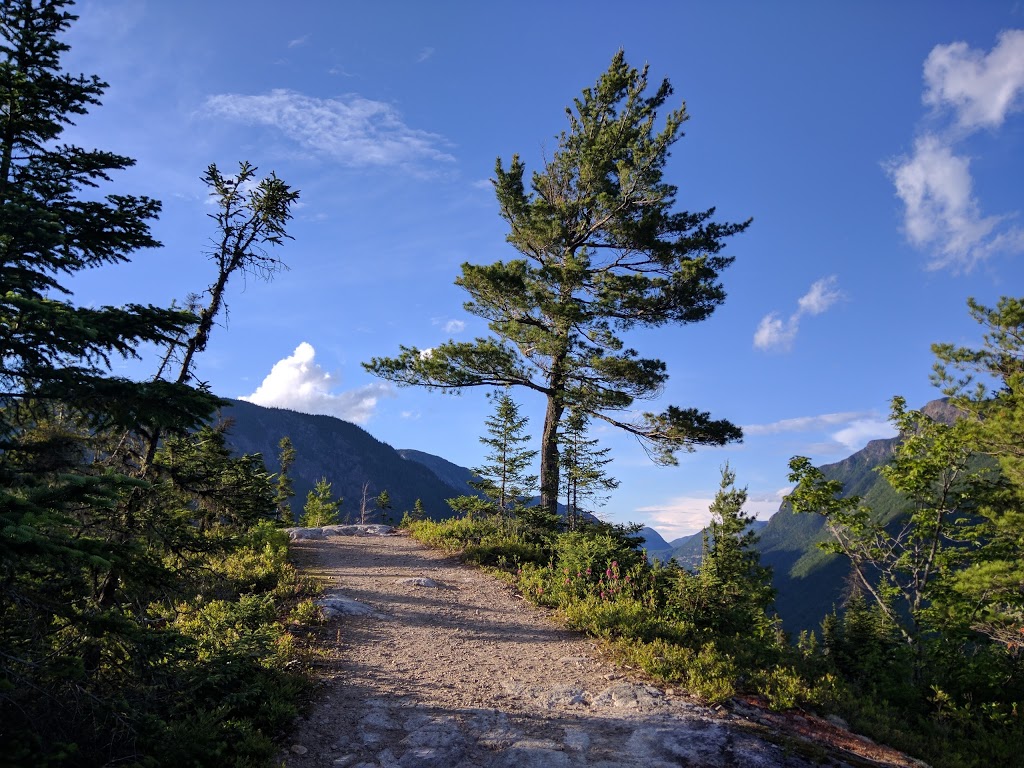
[474, 676]
[329, 531]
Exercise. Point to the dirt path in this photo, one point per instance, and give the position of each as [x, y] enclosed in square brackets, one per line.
[452, 669]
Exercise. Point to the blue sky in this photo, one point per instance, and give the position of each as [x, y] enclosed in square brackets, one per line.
[879, 148]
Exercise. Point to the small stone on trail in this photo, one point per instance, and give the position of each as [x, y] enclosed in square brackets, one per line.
[420, 581]
[339, 605]
[298, 749]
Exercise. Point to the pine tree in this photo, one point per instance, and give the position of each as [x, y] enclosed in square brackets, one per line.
[731, 591]
[285, 487]
[987, 384]
[583, 475]
[383, 505]
[320, 508]
[505, 476]
[602, 253]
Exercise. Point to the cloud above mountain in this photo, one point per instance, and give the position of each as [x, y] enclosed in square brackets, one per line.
[298, 383]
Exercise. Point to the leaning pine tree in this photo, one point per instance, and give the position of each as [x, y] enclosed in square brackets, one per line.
[602, 252]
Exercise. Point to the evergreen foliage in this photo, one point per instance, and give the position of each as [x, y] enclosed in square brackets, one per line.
[383, 505]
[582, 472]
[504, 480]
[285, 487]
[320, 508]
[129, 534]
[731, 592]
[603, 252]
[993, 580]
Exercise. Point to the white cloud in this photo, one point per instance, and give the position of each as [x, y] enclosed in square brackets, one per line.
[454, 326]
[981, 87]
[775, 333]
[298, 42]
[424, 54]
[298, 383]
[351, 130]
[822, 295]
[849, 430]
[857, 434]
[805, 423]
[941, 213]
[684, 515]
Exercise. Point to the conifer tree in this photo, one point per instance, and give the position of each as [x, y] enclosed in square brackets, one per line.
[731, 591]
[505, 476]
[383, 505]
[603, 252]
[321, 509]
[285, 488]
[583, 475]
[987, 384]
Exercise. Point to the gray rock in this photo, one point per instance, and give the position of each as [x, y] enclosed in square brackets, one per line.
[576, 739]
[420, 581]
[327, 531]
[670, 741]
[532, 757]
[628, 695]
[438, 744]
[339, 605]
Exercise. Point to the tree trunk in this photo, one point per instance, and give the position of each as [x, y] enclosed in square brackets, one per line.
[549, 459]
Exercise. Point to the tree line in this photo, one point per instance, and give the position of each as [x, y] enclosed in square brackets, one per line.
[144, 588]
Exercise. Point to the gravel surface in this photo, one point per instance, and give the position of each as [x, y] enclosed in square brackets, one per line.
[429, 662]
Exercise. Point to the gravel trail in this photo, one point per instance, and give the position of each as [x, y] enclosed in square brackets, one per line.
[447, 667]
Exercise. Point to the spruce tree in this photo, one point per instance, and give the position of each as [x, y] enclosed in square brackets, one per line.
[321, 509]
[731, 591]
[383, 505]
[583, 475]
[505, 476]
[285, 487]
[987, 384]
[603, 252]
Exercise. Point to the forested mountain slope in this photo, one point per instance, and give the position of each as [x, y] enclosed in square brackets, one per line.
[347, 455]
[809, 581]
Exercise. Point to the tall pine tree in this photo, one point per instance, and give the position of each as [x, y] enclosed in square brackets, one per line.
[603, 252]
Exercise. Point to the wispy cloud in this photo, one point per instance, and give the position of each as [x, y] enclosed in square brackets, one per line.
[684, 515]
[424, 54]
[351, 130]
[971, 90]
[298, 383]
[775, 333]
[454, 326]
[805, 423]
[847, 431]
[298, 42]
[859, 432]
